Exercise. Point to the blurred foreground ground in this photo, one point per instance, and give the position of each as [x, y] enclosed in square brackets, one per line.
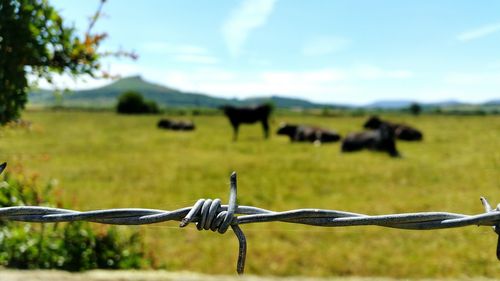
[102, 160]
[103, 275]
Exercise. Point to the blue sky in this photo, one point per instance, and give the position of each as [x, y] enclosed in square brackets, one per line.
[351, 52]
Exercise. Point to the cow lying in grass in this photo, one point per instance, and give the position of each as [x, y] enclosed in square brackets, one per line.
[401, 131]
[381, 139]
[303, 133]
[248, 115]
[176, 125]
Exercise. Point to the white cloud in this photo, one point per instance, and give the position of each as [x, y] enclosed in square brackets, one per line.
[181, 52]
[169, 48]
[449, 92]
[316, 84]
[84, 82]
[322, 85]
[62, 82]
[473, 79]
[479, 32]
[494, 64]
[308, 77]
[259, 62]
[474, 87]
[324, 46]
[370, 72]
[250, 15]
[344, 85]
[200, 59]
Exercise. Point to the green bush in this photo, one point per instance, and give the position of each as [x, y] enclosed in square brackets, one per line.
[68, 246]
[415, 108]
[133, 103]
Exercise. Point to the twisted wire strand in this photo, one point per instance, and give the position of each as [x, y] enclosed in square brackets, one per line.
[248, 214]
[211, 214]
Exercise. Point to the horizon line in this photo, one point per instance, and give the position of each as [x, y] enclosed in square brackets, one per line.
[110, 81]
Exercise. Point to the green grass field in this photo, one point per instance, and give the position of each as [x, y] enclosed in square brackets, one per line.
[103, 160]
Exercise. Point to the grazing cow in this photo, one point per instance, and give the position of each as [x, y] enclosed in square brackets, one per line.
[381, 139]
[302, 133]
[248, 115]
[176, 125]
[401, 131]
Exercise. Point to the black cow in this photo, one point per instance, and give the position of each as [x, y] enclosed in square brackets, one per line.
[381, 139]
[303, 133]
[248, 115]
[401, 131]
[2, 167]
[175, 125]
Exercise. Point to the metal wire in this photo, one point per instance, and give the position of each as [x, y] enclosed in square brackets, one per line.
[210, 214]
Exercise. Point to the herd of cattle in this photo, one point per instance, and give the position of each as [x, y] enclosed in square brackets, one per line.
[379, 135]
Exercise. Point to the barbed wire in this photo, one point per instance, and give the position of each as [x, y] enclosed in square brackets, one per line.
[210, 214]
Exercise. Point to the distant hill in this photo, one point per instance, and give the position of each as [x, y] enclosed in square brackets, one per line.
[398, 104]
[447, 103]
[390, 104]
[493, 102]
[106, 97]
[285, 102]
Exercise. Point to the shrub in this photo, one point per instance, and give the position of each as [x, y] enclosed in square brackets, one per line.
[133, 103]
[415, 108]
[69, 246]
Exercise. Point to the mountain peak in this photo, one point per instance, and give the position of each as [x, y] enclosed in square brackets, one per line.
[136, 83]
[129, 80]
[132, 78]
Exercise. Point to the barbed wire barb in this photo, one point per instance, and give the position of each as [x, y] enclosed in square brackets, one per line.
[210, 214]
[496, 226]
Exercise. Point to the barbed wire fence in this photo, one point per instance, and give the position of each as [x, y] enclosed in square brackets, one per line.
[210, 214]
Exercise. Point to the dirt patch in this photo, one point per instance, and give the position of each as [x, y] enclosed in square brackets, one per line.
[103, 275]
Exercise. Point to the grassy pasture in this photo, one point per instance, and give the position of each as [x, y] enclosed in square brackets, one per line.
[103, 160]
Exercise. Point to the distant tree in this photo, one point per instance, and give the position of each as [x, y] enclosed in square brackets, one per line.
[152, 107]
[35, 41]
[132, 102]
[438, 110]
[325, 111]
[415, 108]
